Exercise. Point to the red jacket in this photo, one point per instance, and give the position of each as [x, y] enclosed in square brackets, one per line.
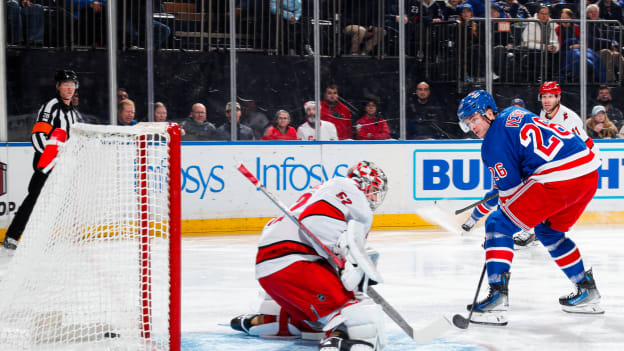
[273, 133]
[371, 128]
[340, 116]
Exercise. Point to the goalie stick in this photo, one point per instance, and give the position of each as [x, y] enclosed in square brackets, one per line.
[423, 335]
[458, 320]
[461, 210]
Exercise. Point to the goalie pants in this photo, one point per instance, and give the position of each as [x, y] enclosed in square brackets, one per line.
[22, 215]
[307, 291]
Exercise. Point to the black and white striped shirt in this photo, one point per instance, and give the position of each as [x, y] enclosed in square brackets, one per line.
[53, 114]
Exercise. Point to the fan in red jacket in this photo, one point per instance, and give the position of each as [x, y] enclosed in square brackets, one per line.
[371, 126]
[337, 113]
[282, 129]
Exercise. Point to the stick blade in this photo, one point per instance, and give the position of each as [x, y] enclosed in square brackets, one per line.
[460, 322]
[433, 330]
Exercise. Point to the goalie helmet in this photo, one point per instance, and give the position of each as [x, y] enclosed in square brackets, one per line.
[371, 180]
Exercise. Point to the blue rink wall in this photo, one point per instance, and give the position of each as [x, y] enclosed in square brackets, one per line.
[217, 199]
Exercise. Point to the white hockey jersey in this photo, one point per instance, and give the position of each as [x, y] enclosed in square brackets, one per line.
[572, 122]
[306, 132]
[325, 211]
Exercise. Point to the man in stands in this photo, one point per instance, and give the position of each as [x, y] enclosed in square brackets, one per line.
[51, 129]
[604, 98]
[125, 113]
[196, 127]
[334, 111]
[243, 132]
[307, 130]
[307, 293]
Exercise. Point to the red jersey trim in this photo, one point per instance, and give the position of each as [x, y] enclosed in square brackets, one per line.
[322, 208]
[281, 249]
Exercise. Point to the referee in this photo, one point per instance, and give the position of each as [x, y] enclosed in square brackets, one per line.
[58, 113]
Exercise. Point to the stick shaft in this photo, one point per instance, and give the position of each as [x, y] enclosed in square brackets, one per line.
[476, 203]
[390, 311]
[474, 301]
[244, 171]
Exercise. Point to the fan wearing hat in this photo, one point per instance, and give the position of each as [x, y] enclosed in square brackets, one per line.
[243, 132]
[599, 126]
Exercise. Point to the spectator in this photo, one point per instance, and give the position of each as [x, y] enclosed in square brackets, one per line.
[306, 130]
[243, 132]
[334, 111]
[599, 126]
[601, 39]
[426, 119]
[503, 40]
[477, 7]
[290, 17]
[125, 113]
[90, 18]
[363, 25]
[122, 94]
[87, 118]
[196, 127]
[568, 34]
[24, 15]
[160, 112]
[514, 9]
[282, 129]
[372, 126]
[254, 118]
[518, 102]
[135, 23]
[610, 10]
[451, 11]
[469, 45]
[615, 114]
[533, 41]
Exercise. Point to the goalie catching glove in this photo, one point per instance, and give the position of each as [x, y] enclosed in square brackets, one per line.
[359, 271]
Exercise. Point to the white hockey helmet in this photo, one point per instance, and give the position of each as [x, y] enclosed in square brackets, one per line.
[371, 180]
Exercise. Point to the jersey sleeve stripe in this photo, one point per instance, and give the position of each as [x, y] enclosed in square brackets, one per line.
[322, 208]
[281, 249]
[42, 127]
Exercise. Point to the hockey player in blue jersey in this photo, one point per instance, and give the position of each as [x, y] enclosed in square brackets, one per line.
[545, 176]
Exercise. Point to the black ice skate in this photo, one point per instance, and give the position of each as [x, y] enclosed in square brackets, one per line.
[524, 239]
[493, 309]
[243, 322]
[467, 226]
[586, 299]
[336, 343]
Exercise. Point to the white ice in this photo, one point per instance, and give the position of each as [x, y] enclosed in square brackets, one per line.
[427, 273]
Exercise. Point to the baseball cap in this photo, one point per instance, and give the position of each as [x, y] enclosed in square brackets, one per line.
[518, 101]
[598, 108]
[228, 106]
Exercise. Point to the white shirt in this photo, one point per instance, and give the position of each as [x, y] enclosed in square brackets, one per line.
[307, 132]
[570, 121]
[325, 211]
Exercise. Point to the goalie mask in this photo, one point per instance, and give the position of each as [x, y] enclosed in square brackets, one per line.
[371, 180]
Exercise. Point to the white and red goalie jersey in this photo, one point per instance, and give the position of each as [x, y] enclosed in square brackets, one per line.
[325, 211]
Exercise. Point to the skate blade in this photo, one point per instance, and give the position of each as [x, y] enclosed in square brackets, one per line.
[593, 308]
[489, 318]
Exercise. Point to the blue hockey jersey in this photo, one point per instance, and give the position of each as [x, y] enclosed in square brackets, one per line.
[519, 146]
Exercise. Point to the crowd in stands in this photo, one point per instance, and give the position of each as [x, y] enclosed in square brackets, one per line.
[426, 119]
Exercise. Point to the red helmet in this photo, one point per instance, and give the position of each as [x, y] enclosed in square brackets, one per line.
[551, 87]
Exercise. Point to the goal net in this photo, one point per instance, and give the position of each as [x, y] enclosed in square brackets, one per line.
[98, 266]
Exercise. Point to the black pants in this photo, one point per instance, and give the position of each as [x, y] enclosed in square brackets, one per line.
[23, 213]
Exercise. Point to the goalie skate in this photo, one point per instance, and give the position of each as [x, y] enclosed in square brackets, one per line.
[586, 299]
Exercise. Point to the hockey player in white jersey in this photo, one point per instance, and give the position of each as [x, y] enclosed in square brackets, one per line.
[554, 112]
[306, 292]
[307, 130]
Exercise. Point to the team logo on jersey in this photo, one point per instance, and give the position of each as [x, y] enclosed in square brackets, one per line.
[565, 116]
[3, 178]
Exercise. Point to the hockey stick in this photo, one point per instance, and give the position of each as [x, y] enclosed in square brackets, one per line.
[476, 203]
[458, 320]
[423, 335]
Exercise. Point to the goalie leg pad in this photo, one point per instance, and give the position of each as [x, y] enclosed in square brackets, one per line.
[362, 321]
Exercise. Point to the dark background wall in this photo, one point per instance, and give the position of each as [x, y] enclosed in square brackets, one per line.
[273, 82]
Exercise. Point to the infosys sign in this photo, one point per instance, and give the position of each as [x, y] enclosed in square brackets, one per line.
[459, 174]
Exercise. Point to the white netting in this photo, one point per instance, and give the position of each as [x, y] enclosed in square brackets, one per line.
[76, 280]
